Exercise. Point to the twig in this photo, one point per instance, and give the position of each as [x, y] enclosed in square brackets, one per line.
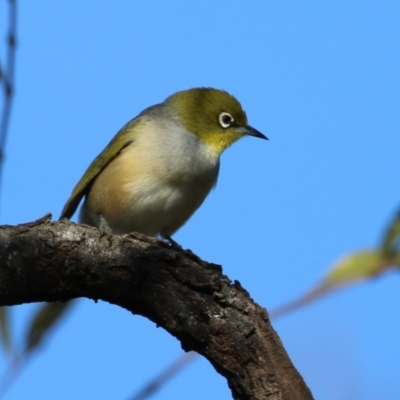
[165, 376]
[7, 79]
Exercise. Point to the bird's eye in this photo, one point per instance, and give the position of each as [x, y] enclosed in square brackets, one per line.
[225, 119]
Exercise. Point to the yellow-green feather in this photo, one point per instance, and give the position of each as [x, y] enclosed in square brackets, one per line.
[199, 110]
[122, 139]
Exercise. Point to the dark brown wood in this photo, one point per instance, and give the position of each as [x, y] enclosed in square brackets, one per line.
[190, 298]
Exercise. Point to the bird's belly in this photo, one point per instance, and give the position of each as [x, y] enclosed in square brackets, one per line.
[160, 207]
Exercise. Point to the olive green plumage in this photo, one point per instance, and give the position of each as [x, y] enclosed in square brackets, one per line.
[122, 139]
[161, 165]
[199, 110]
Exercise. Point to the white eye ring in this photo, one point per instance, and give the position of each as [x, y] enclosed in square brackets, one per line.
[225, 120]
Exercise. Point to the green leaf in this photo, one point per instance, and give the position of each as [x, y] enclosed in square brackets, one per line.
[43, 322]
[5, 329]
[355, 267]
[391, 240]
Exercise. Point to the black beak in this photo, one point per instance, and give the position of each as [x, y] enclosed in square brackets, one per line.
[250, 131]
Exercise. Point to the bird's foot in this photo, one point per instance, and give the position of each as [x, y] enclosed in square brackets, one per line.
[104, 225]
[174, 245]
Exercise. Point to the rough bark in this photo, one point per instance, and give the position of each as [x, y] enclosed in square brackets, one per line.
[190, 298]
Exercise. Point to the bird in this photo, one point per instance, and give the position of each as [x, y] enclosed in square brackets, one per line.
[160, 166]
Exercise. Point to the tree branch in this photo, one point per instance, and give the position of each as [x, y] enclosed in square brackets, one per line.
[191, 299]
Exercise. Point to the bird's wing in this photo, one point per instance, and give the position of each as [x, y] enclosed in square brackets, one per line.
[122, 139]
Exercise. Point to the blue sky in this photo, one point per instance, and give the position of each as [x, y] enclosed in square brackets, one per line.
[320, 79]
